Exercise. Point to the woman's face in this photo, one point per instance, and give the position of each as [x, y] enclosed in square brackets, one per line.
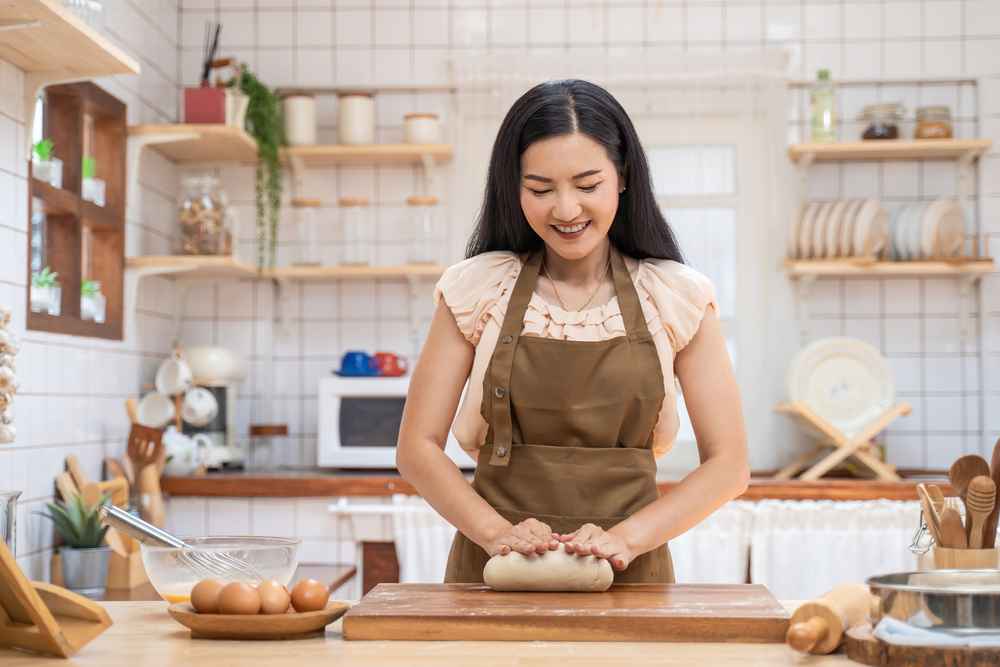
[569, 193]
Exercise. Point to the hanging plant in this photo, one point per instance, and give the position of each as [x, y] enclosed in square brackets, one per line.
[265, 125]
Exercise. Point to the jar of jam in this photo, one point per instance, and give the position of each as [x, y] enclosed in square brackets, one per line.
[883, 120]
[933, 123]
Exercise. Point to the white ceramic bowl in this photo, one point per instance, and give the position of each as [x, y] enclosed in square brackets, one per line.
[215, 366]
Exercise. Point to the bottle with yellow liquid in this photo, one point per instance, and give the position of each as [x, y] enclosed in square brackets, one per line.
[822, 109]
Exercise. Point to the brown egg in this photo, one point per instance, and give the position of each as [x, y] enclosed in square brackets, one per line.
[310, 595]
[205, 596]
[239, 598]
[274, 597]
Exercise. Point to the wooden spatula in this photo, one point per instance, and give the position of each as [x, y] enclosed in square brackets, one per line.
[979, 501]
[990, 530]
[952, 532]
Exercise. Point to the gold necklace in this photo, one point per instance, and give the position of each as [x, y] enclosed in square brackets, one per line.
[592, 295]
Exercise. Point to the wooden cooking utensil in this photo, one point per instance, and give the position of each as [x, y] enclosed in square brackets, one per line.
[990, 530]
[979, 501]
[66, 487]
[931, 516]
[952, 532]
[145, 449]
[76, 472]
[964, 469]
[818, 626]
[113, 469]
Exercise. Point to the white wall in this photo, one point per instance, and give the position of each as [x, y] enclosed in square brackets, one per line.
[71, 399]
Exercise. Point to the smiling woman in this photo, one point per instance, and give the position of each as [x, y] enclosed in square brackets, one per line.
[570, 320]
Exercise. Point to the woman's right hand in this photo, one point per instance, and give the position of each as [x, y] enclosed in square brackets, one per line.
[530, 537]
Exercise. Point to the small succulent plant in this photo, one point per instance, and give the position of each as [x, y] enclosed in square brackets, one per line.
[78, 523]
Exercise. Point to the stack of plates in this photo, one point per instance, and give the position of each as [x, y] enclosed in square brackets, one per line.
[843, 228]
[927, 230]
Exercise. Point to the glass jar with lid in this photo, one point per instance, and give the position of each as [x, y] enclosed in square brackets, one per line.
[883, 120]
[425, 241]
[933, 123]
[307, 248]
[354, 220]
[203, 220]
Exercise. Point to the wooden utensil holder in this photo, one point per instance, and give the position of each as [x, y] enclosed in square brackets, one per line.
[127, 572]
[943, 558]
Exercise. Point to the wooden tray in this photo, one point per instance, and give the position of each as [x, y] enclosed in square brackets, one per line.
[293, 625]
[861, 646]
[626, 612]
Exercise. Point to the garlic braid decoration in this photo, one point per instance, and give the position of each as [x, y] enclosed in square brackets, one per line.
[8, 379]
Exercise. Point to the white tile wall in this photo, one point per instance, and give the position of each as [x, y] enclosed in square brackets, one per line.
[73, 389]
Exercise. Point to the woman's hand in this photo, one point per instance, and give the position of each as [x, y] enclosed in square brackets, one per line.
[591, 540]
[530, 537]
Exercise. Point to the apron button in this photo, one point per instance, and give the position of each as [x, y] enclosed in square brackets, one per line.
[500, 392]
[507, 340]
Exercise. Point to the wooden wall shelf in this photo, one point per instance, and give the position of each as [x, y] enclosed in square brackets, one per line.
[197, 143]
[971, 266]
[192, 266]
[335, 154]
[918, 149]
[318, 273]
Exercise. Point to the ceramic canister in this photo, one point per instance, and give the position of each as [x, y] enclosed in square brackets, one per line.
[299, 110]
[356, 118]
[422, 128]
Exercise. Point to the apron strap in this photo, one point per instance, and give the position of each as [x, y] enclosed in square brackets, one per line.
[502, 363]
[628, 299]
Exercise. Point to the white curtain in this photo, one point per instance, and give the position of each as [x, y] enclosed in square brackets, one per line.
[717, 550]
[423, 540]
[801, 549]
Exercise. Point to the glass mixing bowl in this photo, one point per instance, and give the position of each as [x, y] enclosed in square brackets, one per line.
[174, 572]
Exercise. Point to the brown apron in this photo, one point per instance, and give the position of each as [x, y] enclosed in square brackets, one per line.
[570, 429]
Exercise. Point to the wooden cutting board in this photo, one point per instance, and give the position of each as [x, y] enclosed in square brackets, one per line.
[626, 612]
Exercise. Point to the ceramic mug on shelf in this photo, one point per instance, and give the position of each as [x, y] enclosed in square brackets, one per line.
[199, 407]
[391, 364]
[155, 410]
[174, 376]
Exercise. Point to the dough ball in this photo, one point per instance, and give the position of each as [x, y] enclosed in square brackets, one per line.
[553, 571]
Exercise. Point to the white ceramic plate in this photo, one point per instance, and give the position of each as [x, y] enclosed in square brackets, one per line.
[951, 231]
[805, 230]
[880, 233]
[847, 228]
[833, 226]
[898, 234]
[819, 230]
[792, 248]
[863, 228]
[844, 380]
[915, 231]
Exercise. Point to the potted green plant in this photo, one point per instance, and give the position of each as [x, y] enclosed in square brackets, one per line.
[265, 125]
[83, 554]
[44, 166]
[46, 293]
[93, 304]
[92, 189]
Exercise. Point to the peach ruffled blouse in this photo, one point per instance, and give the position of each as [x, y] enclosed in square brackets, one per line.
[673, 296]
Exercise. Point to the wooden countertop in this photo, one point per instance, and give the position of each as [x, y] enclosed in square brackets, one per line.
[143, 634]
[321, 484]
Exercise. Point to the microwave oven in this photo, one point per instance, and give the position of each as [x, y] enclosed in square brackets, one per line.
[359, 419]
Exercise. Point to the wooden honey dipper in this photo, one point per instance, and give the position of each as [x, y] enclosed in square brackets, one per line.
[819, 625]
[980, 498]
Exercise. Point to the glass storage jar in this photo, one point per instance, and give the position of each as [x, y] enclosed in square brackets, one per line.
[425, 241]
[883, 120]
[204, 223]
[933, 123]
[354, 219]
[307, 251]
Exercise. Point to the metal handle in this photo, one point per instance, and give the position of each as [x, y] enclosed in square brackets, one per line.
[135, 527]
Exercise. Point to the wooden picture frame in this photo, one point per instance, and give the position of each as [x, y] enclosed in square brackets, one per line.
[44, 618]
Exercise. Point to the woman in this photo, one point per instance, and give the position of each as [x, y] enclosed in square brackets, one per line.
[570, 319]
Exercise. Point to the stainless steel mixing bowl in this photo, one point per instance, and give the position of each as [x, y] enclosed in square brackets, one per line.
[958, 602]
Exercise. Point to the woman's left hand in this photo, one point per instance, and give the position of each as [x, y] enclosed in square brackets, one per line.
[589, 540]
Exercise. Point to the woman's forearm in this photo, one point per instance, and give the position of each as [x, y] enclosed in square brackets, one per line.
[439, 481]
[712, 484]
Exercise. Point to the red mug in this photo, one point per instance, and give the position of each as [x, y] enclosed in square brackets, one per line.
[391, 364]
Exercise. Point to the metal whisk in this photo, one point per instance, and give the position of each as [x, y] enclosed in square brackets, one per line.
[203, 563]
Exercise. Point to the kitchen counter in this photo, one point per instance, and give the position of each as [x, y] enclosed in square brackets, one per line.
[143, 634]
[320, 484]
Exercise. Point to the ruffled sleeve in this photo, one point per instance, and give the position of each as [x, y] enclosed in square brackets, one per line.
[676, 298]
[477, 289]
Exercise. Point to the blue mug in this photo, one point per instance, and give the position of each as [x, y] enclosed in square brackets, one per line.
[356, 362]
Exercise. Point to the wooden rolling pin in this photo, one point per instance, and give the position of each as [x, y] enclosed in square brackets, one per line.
[819, 625]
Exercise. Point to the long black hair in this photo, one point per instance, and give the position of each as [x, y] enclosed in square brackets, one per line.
[556, 108]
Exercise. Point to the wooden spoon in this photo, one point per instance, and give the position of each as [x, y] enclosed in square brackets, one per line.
[990, 531]
[964, 469]
[979, 502]
[931, 517]
[952, 531]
